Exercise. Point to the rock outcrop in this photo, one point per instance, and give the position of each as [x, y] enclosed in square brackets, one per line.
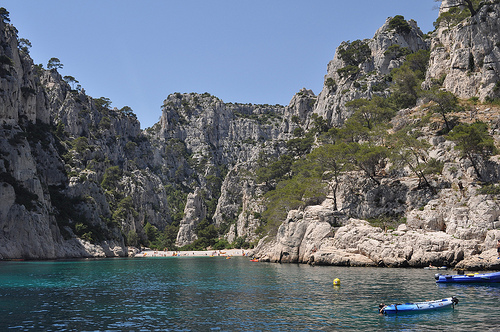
[369, 67]
[194, 213]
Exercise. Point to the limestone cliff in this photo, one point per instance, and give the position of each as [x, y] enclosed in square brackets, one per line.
[81, 179]
[466, 57]
[365, 74]
[454, 225]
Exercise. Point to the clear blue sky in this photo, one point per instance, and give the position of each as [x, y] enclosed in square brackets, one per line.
[137, 52]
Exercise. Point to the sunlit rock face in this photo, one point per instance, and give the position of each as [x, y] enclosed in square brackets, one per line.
[466, 57]
[372, 69]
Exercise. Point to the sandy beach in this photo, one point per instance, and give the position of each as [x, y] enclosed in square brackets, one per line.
[208, 253]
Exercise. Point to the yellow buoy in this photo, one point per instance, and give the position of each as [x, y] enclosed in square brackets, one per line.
[336, 282]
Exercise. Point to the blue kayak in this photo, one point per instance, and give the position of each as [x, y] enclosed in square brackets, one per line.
[468, 278]
[418, 306]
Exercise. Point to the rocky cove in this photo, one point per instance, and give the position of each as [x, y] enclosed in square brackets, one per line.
[79, 179]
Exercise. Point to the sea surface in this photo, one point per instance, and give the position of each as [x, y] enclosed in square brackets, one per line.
[218, 294]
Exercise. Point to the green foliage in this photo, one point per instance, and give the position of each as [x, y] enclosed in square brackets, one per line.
[330, 160]
[24, 45]
[124, 209]
[70, 80]
[354, 53]
[304, 188]
[331, 84]
[130, 147]
[446, 102]
[418, 62]
[176, 199]
[473, 141]
[319, 124]
[67, 215]
[127, 110]
[451, 18]
[369, 158]
[221, 244]
[162, 240]
[4, 15]
[151, 233]
[405, 90]
[396, 51]
[458, 13]
[111, 177]
[5, 60]
[214, 184]
[301, 145]
[407, 79]
[81, 144]
[276, 170]
[399, 24]
[434, 166]
[54, 63]
[169, 236]
[207, 236]
[241, 243]
[132, 239]
[489, 189]
[409, 151]
[348, 71]
[298, 132]
[370, 113]
[105, 123]
[102, 103]
[386, 222]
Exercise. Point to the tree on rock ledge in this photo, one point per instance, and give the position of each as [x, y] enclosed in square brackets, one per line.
[470, 4]
[4, 15]
[473, 141]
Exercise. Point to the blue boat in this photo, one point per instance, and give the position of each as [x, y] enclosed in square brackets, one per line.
[468, 278]
[418, 306]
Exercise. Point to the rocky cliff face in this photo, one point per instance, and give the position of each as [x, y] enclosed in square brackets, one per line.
[80, 179]
[456, 225]
[365, 74]
[56, 145]
[466, 57]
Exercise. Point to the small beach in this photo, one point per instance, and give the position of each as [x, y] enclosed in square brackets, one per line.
[189, 253]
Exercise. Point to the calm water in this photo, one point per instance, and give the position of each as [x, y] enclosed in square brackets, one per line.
[217, 294]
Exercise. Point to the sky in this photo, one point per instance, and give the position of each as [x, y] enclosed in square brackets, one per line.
[137, 52]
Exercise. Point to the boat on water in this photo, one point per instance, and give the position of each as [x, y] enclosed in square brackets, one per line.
[468, 278]
[416, 307]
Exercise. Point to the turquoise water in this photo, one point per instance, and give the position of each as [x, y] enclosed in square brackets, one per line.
[217, 294]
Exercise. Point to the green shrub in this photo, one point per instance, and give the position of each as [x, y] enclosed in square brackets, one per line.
[111, 177]
[397, 51]
[80, 144]
[399, 24]
[5, 60]
[331, 84]
[489, 189]
[354, 53]
[348, 71]
[221, 244]
[105, 123]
